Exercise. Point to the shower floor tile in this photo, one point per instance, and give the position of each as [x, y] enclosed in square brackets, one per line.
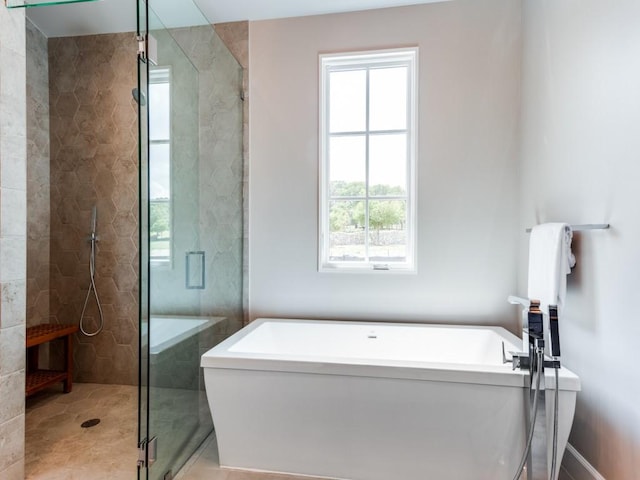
[57, 447]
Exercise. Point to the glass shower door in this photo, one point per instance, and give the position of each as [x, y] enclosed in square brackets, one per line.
[190, 225]
[143, 247]
[178, 416]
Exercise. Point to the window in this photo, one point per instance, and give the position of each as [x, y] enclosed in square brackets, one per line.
[367, 161]
[160, 165]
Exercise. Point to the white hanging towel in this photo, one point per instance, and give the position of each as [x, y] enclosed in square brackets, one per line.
[550, 261]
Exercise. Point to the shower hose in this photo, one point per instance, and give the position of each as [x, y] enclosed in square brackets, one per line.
[92, 287]
[527, 449]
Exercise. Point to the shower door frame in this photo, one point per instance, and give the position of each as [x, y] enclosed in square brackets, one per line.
[146, 446]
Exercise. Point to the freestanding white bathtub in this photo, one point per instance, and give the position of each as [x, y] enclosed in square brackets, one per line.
[374, 401]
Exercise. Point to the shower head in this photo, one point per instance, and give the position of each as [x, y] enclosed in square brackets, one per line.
[139, 97]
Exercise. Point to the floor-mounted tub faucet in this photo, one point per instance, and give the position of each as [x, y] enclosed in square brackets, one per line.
[533, 359]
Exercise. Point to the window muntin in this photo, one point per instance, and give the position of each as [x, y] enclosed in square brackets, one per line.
[160, 211]
[367, 143]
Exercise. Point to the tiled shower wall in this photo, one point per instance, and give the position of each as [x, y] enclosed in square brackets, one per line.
[235, 36]
[91, 120]
[38, 178]
[94, 163]
[13, 206]
[206, 179]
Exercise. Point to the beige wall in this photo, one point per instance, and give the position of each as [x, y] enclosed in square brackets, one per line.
[580, 150]
[13, 221]
[469, 92]
[94, 162]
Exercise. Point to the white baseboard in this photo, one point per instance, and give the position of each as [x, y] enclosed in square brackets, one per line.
[578, 467]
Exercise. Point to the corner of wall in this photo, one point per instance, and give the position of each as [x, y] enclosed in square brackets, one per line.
[13, 146]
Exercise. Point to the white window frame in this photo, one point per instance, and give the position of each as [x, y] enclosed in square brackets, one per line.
[355, 60]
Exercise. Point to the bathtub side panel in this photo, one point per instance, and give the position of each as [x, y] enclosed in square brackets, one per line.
[362, 427]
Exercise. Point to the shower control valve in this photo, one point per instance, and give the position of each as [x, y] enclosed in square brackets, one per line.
[518, 359]
[522, 361]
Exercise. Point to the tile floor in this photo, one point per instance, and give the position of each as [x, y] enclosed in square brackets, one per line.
[59, 449]
[204, 465]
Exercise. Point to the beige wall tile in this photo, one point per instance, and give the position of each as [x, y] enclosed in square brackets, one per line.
[38, 177]
[14, 472]
[12, 92]
[12, 348]
[11, 392]
[13, 258]
[93, 162]
[12, 247]
[13, 209]
[12, 303]
[12, 441]
[13, 174]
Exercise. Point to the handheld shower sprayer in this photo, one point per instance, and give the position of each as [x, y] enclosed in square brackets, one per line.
[92, 239]
[94, 217]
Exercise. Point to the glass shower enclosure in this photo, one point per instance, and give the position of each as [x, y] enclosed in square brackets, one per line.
[190, 151]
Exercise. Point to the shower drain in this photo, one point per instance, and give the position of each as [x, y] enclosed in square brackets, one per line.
[90, 423]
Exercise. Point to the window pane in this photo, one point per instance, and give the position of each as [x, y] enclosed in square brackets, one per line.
[388, 98]
[388, 164]
[160, 171]
[160, 109]
[388, 230]
[346, 231]
[347, 166]
[160, 229]
[347, 101]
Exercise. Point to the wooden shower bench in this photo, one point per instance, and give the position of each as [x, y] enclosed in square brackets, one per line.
[38, 379]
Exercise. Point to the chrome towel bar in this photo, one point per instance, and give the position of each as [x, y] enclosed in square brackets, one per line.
[588, 226]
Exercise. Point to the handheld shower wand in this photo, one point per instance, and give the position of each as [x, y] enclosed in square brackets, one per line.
[93, 239]
[555, 353]
[94, 215]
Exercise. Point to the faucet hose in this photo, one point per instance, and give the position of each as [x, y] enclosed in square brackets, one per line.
[554, 447]
[527, 448]
[92, 286]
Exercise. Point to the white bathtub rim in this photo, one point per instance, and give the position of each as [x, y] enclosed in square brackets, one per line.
[206, 322]
[501, 375]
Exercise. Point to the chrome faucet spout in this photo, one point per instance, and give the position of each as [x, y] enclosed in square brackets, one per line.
[514, 300]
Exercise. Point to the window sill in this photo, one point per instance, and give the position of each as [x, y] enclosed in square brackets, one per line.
[369, 268]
